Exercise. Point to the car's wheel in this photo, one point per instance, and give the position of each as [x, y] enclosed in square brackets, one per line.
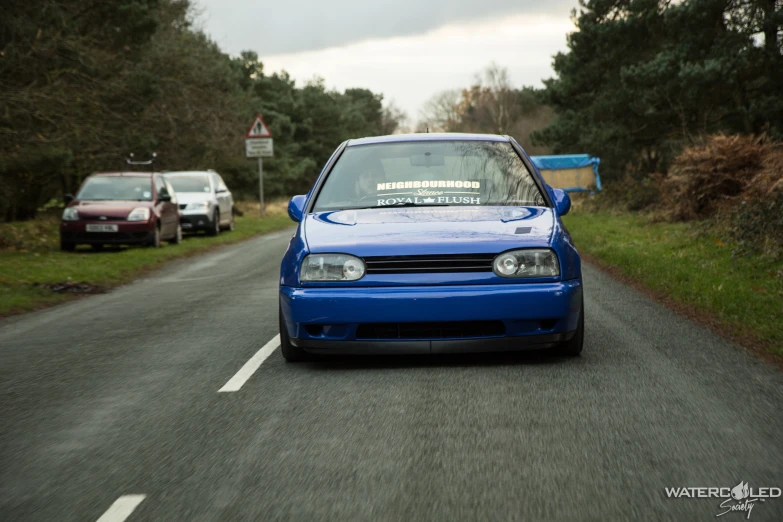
[155, 241]
[573, 347]
[291, 353]
[177, 239]
[215, 230]
[67, 246]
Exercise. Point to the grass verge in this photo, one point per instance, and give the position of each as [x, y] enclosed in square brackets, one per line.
[31, 262]
[740, 297]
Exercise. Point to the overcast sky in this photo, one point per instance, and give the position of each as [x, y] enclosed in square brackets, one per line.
[406, 49]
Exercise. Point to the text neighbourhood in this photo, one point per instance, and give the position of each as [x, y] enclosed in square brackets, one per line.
[421, 192]
[397, 185]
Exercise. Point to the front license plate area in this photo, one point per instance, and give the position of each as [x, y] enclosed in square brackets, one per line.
[101, 228]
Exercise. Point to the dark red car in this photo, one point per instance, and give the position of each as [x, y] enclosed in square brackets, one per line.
[127, 208]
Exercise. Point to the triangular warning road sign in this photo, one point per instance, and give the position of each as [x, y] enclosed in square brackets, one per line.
[258, 129]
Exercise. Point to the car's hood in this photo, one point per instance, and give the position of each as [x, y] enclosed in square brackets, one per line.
[428, 230]
[193, 197]
[108, 209]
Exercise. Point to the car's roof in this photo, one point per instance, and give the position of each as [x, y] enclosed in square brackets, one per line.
[122, 174]
[434, 136]
[188, 172]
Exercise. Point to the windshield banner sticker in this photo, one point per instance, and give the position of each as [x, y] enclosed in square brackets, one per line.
[422, 193]
[428, 184]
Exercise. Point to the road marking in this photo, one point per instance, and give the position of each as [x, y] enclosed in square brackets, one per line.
[244, 373]
[122, 508]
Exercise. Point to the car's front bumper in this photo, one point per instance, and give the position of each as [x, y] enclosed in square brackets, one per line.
[193, 222]
[337, 320]
[128, 233]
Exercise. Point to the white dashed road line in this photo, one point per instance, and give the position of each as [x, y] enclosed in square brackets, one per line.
[122, 508]
[244, 373]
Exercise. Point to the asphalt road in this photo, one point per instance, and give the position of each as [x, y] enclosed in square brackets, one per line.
[117, 395]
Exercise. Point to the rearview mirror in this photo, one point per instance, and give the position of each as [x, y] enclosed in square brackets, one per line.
[296, 208]
[68, 198]
[562, 201]
[427, 159]
[164, 197]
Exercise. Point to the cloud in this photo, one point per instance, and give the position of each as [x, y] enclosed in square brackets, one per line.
[410, 69]
[285, 26]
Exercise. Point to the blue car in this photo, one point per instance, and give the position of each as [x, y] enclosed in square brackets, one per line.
[430, 243]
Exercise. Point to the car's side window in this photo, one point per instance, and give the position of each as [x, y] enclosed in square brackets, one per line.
[217, 182]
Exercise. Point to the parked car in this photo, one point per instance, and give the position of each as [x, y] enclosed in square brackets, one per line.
[430, 243]
[126, 208]
[204, 200]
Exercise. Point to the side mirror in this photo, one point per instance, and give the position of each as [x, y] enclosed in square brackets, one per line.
[562, 201]
[164, 197]
[296, 207]
[68, 198]
[221, 190]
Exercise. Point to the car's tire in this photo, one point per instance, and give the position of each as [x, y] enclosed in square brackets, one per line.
[291, 353]
[215, 230]
[155, 241]
[67, 246]
[177, 239]
[573, 347]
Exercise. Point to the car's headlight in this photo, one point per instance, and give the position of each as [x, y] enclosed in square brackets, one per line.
[139, 214]
[70, 214]
[198, 205]
[534, 262]
[332, 267]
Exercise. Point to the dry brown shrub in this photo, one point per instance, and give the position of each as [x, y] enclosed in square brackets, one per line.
[717, 174]
[769, 178]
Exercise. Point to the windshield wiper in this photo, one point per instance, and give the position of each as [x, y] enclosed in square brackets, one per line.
[406, 204]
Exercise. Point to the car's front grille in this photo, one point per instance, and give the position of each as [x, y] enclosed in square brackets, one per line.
[429, 264]
[432, 330]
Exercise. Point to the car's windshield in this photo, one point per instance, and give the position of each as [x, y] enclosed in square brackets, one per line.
[190, 183]
[429, 173]
[105, 188]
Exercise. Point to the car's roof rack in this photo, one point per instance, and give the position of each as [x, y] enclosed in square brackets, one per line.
[129, 161]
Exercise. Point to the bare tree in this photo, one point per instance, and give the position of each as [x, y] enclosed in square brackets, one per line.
[441, 112]
[497, 97]
[393, 120]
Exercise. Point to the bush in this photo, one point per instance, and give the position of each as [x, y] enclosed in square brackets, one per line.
[758, 226]
[628, 193]
[707, 178]
[734, 182]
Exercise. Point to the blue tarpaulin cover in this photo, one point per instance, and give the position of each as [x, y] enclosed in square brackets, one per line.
[569, 161]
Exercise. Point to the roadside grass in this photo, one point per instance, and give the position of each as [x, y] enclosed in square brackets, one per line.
[692, 267]
[30, 257]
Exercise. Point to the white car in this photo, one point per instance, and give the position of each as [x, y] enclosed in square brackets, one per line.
[205, 202]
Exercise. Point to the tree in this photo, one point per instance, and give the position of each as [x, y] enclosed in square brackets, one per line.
[491, 105]
[440, 113]
[643, 78]
[87, 82]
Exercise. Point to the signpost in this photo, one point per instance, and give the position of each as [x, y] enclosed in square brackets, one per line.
[258, 144]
